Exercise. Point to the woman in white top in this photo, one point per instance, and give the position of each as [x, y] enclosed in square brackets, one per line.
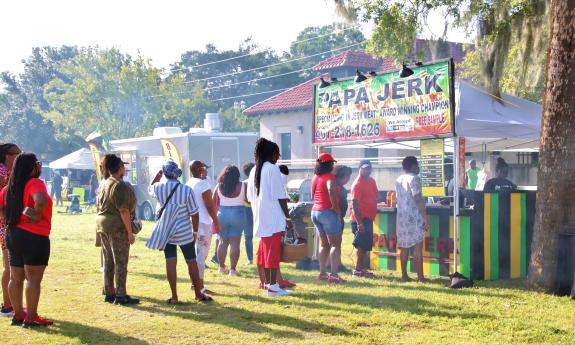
[230, 194]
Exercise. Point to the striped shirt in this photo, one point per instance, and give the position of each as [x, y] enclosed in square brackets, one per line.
[177, 214]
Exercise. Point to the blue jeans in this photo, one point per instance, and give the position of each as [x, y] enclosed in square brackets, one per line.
[249, 233]
[326, 222]
[232, 221]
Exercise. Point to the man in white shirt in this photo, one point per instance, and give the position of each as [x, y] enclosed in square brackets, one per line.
[268, 197]
[207, 211]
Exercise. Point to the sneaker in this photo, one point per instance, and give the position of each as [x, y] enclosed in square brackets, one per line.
[368, 274]
[223, 270]
[263, 286]
[276, 291]
[335, 279]
[358, 274]
[6, 311]
[234, 273]
[36, 321]
[126, 300]
[109, 298]
[214, 259]
[18, 320]
[323, 276]
[249, 263]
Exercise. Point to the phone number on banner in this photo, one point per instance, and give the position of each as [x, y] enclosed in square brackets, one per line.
[360, 131]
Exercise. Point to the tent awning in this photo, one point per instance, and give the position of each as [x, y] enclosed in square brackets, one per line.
[80, 159]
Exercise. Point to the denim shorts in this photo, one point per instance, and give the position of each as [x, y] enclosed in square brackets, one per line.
[326, 222]
[232, 221]
[363, 241]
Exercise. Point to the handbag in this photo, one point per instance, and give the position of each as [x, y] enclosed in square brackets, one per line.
[136, 225]
[159, 214]
[294, 248]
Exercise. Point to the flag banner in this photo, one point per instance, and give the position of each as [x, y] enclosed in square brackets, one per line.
[386, 107]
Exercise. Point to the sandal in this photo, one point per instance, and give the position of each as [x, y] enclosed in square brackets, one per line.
[204, 299]
[172, 301]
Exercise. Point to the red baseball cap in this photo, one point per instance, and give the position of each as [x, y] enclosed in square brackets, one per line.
[325, 158]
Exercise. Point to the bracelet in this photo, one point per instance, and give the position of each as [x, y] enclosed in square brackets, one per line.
[288, 218]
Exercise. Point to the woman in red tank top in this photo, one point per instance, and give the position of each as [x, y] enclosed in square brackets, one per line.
[325, 215]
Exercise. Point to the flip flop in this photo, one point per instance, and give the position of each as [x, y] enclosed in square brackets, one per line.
[204, 299]
[172, 301]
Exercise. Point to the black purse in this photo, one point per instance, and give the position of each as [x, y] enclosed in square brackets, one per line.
[159, 214]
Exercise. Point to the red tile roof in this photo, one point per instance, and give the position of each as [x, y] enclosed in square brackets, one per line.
[350, 58]
[299, 97]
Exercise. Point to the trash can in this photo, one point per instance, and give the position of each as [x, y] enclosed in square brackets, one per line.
[565, 277]
[300, 213]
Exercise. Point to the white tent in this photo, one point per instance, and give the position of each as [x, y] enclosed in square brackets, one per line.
[80, 159]
[487, 122]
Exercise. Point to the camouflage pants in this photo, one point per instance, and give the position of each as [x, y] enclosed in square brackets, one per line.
[116, 249]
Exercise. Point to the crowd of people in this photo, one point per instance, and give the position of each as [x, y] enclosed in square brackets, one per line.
[190, 213]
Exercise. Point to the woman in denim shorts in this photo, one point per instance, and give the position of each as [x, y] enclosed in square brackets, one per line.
[231, 215]
[325, 215]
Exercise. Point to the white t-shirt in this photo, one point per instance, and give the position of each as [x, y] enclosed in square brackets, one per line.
[269, 218]
[200, 186]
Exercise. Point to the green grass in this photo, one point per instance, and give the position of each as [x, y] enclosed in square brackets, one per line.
[360, 312]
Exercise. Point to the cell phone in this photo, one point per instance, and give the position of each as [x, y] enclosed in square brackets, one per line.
[28, 211]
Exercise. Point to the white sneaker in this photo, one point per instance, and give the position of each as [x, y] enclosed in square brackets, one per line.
[234, 273]
[275, 290]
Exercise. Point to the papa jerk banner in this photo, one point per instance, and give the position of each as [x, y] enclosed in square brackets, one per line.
[386, 107]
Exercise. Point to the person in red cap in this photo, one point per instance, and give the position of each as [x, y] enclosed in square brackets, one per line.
[325, 215]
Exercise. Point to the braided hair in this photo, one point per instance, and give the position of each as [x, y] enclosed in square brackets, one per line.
[264, 152]
[24, 167]
[5, 150]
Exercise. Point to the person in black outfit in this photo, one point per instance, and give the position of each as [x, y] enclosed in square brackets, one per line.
[500, 183]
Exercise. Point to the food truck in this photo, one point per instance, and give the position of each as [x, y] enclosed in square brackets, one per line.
[145, 155]
[439, 117]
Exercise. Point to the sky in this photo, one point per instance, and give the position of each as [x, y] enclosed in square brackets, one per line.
[159, 30]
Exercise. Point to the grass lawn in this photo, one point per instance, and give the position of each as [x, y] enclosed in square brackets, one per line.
[362, 311]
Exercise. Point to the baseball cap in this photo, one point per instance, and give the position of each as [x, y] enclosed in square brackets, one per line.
[325, 158]
[364, 163]
[198, 164]
[171, 169]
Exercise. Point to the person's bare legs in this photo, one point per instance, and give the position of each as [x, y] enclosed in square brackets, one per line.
[172, 275]
[271, 275]
[403, 256]
[195, 277]
[234, 251]
[360, 258]
[16, 289]
[223, 252]
[335, 253]
[5, 279]
[418, 258]
[34, 275]
[323, 253]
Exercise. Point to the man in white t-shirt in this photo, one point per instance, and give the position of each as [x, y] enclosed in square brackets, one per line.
[207, 211]
[268, 197]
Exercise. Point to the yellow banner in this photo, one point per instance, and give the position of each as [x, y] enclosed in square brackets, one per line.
[431, 172]
[171, 151]
[97, 161]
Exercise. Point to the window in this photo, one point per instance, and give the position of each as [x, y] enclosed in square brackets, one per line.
[371, 153]
[285, 139]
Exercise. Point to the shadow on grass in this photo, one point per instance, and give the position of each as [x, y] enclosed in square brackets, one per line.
[441, 288]
[182, 277]
[242, 319]
[88, 334]
[397, 304]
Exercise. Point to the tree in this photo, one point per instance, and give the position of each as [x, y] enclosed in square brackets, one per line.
[555, 208]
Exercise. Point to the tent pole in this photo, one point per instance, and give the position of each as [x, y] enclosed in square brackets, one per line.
[455, 202]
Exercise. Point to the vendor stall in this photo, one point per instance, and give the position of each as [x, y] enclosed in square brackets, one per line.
[492, 232]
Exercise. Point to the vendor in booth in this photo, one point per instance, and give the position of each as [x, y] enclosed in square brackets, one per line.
[500, 183]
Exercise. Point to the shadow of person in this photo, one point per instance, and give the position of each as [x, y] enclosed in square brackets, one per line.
[88, 334]
[242, 319]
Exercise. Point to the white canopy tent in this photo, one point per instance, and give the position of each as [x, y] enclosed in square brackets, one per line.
[80, 159]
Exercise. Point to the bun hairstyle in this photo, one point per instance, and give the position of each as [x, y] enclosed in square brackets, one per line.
[501, 163]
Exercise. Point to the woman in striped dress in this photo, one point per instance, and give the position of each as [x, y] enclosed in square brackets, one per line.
[177, 225]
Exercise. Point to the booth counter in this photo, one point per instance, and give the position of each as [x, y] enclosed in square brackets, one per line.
[494, 238]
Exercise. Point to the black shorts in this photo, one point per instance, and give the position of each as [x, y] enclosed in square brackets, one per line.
[26, 248]
[363, 241]
[189, 251]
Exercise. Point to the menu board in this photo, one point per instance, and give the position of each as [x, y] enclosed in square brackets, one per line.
[431, 167]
